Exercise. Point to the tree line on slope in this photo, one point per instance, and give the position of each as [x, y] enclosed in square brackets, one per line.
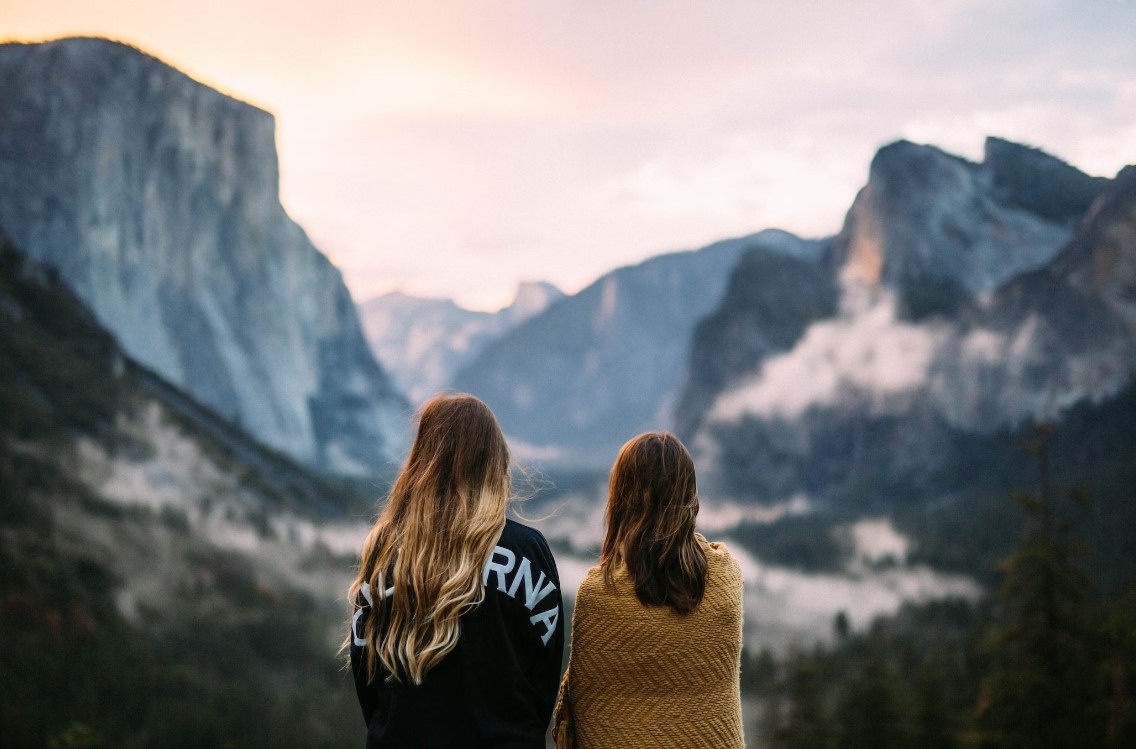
[1048, 662]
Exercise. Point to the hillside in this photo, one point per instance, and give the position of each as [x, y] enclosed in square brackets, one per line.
[152, 554]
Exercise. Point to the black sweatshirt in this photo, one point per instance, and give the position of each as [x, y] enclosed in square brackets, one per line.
[498, 686]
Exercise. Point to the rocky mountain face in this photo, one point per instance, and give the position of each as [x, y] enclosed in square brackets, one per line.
[1030, 179]
[770, 301]
[156, 198]
[1064, 332]
[937, 229]
[576, 381]
[423, 342]
[970, 303]
[149, 547]
[1099, 262]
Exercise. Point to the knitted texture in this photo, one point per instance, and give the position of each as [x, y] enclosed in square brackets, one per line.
[644, 676]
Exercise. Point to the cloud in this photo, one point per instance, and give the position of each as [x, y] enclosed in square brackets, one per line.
[753, 179]
[575, 137]
[875, 540]
[785, 606]
[865, 354]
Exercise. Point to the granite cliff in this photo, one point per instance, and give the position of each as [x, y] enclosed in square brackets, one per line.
[973, 299]
[769, 303]
[937, 228]
[156, 198]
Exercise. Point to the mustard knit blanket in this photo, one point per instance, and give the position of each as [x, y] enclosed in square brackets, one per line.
[644, 676]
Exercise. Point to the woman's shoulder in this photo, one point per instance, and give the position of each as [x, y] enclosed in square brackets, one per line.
[593, 581]
[520, 537]
[719, 560]
[715, 549]
[520, 542]
[522, 532]
[595, 587]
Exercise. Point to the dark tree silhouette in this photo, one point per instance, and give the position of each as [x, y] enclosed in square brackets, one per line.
[869, 716]
[1042, 687]
[802, 723]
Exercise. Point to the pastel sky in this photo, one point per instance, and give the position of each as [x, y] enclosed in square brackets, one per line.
[457, 148]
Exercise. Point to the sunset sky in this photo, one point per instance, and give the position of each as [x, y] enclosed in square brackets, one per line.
[456, 148]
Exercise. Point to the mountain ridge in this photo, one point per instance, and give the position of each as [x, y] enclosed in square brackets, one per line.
[927, 217]
[919, 355]
[576, 381]
[150, 547]
[424, 341]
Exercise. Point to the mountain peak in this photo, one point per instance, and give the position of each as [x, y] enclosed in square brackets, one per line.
[531, 299]
[105, 59]
[1031, 179]
[927, 219]
[903, 170]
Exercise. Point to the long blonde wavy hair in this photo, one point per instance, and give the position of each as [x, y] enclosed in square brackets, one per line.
[423, 558]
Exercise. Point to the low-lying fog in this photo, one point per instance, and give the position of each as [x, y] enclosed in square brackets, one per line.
[783, 605]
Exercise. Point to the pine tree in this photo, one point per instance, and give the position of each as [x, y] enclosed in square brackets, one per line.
[869, 715]
[841, 627]
[1119, 631]
[1041, 689]
[932, 729]
[800, 721]
[758, 672]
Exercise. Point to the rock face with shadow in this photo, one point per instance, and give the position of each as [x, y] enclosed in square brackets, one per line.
[156, 198]
[972, 298]
[1056, 335]
[938, 229]
[769, 303]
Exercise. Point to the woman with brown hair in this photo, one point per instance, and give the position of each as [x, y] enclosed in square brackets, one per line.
[456, 636]
[657, 628]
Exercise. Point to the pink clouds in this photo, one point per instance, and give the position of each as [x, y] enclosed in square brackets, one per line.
[456, 148]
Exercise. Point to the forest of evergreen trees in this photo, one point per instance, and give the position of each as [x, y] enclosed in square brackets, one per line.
[1049, 661]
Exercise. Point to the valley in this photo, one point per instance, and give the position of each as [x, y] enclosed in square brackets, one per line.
[198, 423]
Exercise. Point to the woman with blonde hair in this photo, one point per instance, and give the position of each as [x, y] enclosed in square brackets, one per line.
[657, 628]
[456, 635]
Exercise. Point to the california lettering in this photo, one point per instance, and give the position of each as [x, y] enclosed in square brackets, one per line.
[501, 563]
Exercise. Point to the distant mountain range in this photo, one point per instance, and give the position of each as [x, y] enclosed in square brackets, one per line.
[156, 199]
[423, 341]
[958, 299]
[571, 384]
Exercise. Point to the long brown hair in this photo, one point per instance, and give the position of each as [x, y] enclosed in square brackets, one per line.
[651, 508]
[423, 559]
